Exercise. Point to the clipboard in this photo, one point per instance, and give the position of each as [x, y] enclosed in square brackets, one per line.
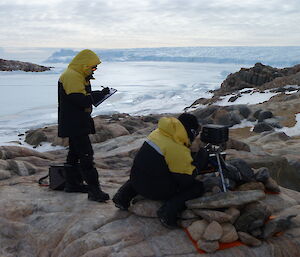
[98, 98]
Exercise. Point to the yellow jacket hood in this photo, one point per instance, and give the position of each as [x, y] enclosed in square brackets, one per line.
[174, 129]
[83, 61]
[73, 78]
[172, 140]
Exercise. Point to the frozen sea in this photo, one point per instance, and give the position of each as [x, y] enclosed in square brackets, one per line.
[29, 100]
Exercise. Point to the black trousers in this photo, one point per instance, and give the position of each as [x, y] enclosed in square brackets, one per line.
[174, 202]
[81, 151]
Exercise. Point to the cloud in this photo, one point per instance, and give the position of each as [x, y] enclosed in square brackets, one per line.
[148, 23]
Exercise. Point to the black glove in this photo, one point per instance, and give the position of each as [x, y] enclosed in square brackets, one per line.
[200, 159]
[105, 91]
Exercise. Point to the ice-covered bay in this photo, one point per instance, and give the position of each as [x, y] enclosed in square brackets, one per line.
[29, 100]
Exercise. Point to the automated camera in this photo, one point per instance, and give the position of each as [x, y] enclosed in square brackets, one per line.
[214, 134]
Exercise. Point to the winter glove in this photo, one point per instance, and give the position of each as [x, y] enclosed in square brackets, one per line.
[200, 159]
[105, 91]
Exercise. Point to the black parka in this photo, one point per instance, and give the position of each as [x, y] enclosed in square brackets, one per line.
[163, 165]
[74, 99]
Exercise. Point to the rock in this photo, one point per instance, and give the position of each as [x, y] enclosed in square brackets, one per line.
[22, 168]
[262, 174]
[273, 137]
[279, 202]
[9, 65]
[246, 172]
[238, 145]
[279, 168]
[256, 232]
[145, 208]
[188, 214]
[264, 115]
[277, 225]
[10, 152]
[251, 186]
[197, 228]
[187, 223]
[208, 246]
[252, 216]
[233, 98]
[231, 172]
[244, 111]
[229, 233]
[272, 185]
[210, 182]
[213, 232]
[233, 213]
[202, 114]
[225, 200]
[223, 117]
[256, 113]
[210, 215]
[274, 122]
[4, 174]
[35, 137]
[262, 126]
[248, 239]
[259, 76]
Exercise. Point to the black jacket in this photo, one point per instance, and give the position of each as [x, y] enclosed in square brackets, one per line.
[74, 96]
[74, 114]
[151, 177]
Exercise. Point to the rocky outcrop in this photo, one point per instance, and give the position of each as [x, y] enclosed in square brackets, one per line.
[259, 76]
[9, 65]
[107, 127]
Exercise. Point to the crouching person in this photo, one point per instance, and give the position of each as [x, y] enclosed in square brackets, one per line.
[163, 169]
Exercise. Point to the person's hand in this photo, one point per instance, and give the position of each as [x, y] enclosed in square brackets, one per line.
[105, 91]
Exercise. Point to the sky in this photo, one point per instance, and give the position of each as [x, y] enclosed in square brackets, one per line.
[148, 23]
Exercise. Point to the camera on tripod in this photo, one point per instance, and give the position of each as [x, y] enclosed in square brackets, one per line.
[216, 136]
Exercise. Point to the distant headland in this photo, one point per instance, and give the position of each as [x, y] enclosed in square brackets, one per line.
[10, 65]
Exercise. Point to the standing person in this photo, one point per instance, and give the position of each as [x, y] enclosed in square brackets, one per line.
[75, 123]
[163, 169]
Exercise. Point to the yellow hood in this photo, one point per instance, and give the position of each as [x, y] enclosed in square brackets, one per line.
[73, 78]
[173, 142]
[83, 62]
[173, 128]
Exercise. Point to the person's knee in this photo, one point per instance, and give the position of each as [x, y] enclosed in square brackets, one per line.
[87, 161]
[198, 188]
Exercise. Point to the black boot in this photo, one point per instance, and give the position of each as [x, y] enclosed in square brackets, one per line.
[74, 180]
[124, 196]
[167, 215]
[96, 194]
[168, 212]
[94, 190]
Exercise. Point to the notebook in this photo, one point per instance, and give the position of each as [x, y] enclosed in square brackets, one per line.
[98, 98]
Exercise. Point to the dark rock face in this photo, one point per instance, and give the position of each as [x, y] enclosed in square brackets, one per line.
[254, 77]
[262, 126]
[9, 65]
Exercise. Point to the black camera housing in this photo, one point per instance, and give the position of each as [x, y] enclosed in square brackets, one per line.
[214, 134]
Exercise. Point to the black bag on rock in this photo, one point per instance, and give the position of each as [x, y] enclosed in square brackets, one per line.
[57, 177]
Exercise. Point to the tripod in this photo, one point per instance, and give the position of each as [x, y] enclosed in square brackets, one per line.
[215, 150]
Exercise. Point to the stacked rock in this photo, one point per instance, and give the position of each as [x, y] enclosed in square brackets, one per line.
[237, 215]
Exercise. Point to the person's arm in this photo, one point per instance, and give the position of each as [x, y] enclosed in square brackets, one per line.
[80, 100]
[200, 159]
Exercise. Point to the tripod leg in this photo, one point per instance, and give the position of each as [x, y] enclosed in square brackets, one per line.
[221, 172]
